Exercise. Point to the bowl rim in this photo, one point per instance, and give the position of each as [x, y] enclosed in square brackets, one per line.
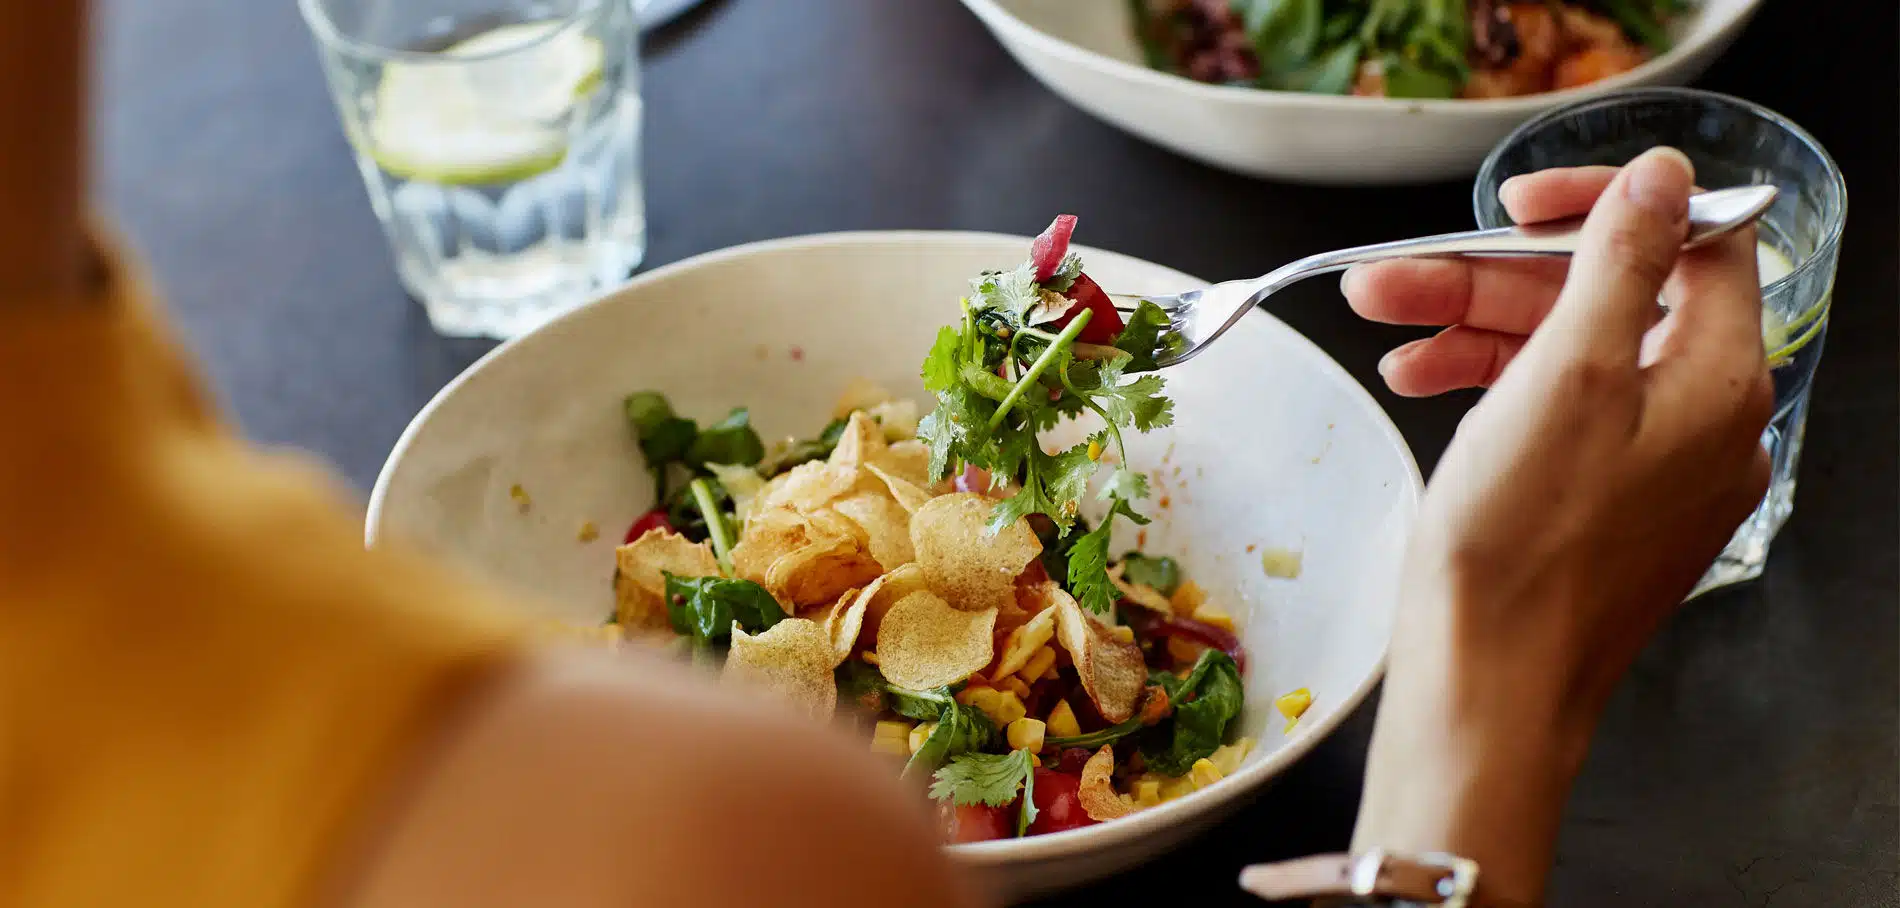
[1001, 20]
[1033, 848]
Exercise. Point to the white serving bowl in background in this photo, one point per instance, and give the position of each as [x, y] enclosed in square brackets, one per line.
[1085, 51]
[1274, 446]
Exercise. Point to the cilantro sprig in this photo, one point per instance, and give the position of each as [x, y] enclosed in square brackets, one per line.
[1001, 377]
[993, 779]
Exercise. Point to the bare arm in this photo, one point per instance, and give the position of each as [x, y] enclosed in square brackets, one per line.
[585, 784]
[43, 113]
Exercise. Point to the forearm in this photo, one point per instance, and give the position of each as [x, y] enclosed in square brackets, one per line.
[42, 168]
[1471, 755]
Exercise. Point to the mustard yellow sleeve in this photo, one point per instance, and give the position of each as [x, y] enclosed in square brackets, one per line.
[205, 680]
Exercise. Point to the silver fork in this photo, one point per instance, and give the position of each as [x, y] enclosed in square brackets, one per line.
[1200, 316]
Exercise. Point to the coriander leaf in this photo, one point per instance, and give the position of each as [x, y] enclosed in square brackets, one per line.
[1213, 697]
[731, 440]
[1026, 814]
[1126, 485]
[940, 366]
[1056, 545]
[1138, 403]
[1012, 294]
[1088, 571]
[977, 778]
[704, 608]
[1051, 485]
[960, 730]
[664, 437]
[1163, 573]
[957, 428]
[1066, 273]
[1146, 337]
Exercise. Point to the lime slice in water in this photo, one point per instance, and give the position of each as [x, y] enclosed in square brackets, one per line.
[494, 120]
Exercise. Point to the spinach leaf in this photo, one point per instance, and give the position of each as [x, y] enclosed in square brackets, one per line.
[1095, 739]
[1331, 73]
[731, 441]
[1162, 573]
[1406, 79]
[683, 511]
[1285, 33]
[804, 451]
[1146, 337]
[1213, 697]
[960, 730]
[858, 682]
[704, 608]
[663, 435]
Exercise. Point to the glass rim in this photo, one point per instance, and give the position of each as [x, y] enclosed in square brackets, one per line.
[1830, 237]
[333, 38]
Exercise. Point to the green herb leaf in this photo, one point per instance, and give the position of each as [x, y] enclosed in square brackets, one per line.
[1331, 73]
[857, 680]
[1205, 703]
[1407, 79]
[1162, 573]
[1146, 337]
[1064, 279]
[664, 437]
[1095, 739]
[1012, 294]
[704, 608]
[960, 730]
[731, 440]
[940, 366]
[1138, 403]
[1088, 571]
[974, 778]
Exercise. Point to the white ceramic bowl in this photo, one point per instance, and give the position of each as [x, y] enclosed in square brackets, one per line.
[1274, 446]
[1085, 51]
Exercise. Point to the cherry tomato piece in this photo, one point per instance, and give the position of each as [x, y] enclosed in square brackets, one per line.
[978, 823]
[1104, 325]
[1058, 802]
[651, 520]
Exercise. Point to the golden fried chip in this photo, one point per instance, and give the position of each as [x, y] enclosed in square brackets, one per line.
[908, 459]
[829, 521]
[924, 642]
[807, 487]
[887, 591]
[883, 523]
[964, 563]
[639, 588]
[860, 394]
[1112, 672]
[1140, 593]
[909, 495]
[769, 534]
[844, 622]
[861, 443]
[898, 419]
[1098, 796]
[792, 658]
[1023, 642]
[819, 572]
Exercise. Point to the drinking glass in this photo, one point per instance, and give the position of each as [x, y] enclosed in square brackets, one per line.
[499, 141]
[1732, 142]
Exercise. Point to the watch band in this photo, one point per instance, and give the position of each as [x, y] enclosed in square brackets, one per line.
[1375, 877]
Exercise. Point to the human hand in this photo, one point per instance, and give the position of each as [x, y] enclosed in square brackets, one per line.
[1580, 501]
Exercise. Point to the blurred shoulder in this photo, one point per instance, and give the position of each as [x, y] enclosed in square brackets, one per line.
[584, 781]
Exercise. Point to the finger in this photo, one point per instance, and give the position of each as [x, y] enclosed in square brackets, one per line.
[1559, 192]
[1508, 295]
[1715, 300]
[1457, 357]
[1629, 245]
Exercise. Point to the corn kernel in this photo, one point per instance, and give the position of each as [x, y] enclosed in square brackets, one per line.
[1043, 661]
[1284, 564]
[1122, 633]
[1009, 708]
[983, 698]
[1228, 757]
[1184, 651]
[1294, 705]
[588, 532]
[1062, 722]
[919, 734]
[1187, 598]
[1016, 686]
[519, 496]
[1026, 734]
[891, 738]
[1290, 723]
[1209, 614]
[1095, 449]
[1174, 788]
[1147, 793]
[1204, 773]
[869, 657]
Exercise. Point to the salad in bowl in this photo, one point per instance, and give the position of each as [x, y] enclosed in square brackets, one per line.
[933, 579]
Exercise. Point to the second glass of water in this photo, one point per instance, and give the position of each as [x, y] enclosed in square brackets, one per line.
[1732, 142]
[499, 140]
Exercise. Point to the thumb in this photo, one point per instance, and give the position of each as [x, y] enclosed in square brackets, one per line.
[1629, 245]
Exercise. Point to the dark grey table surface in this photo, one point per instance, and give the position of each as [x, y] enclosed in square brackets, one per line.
[1751, 756]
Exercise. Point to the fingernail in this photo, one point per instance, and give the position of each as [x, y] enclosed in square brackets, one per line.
[1659, 181]
[1388, 363]
[1347, 279]
[1504, 188]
